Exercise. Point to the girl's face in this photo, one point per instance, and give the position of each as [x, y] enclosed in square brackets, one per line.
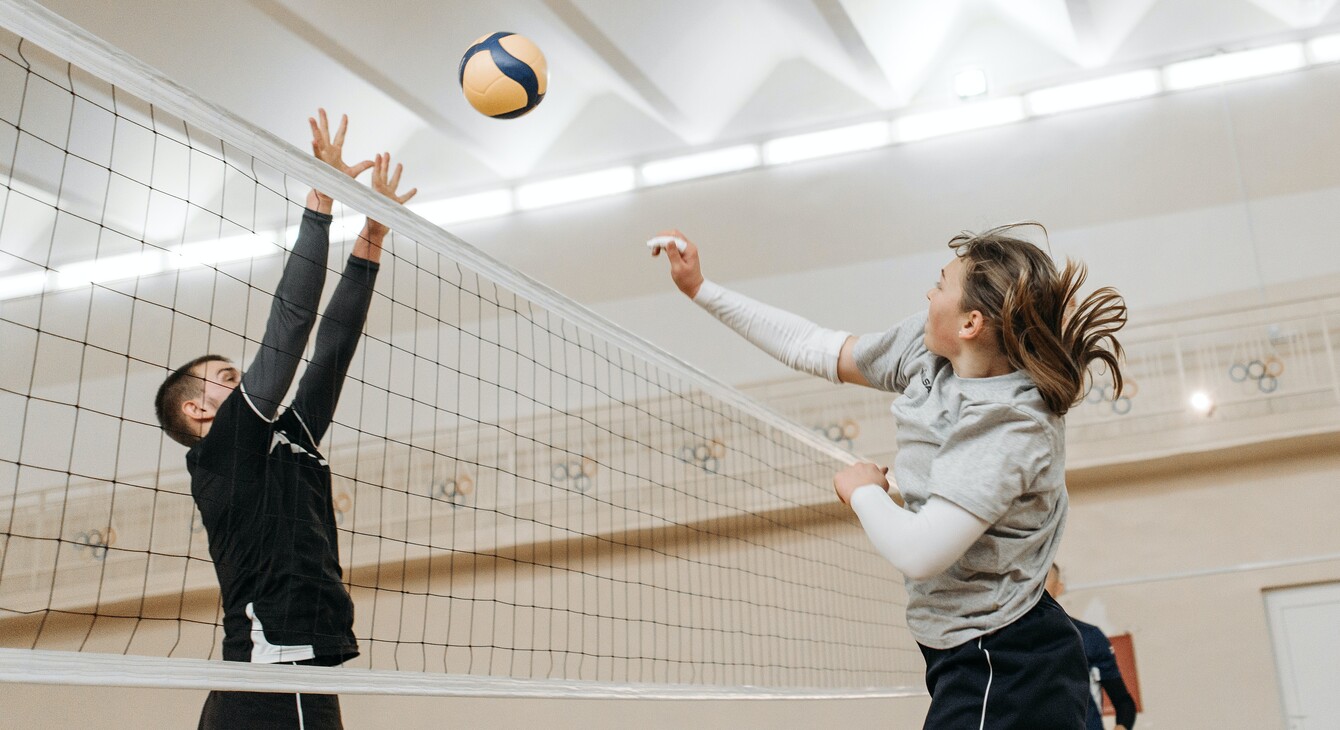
[946, 315]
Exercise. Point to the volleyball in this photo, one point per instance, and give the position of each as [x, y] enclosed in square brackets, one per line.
[504, 75]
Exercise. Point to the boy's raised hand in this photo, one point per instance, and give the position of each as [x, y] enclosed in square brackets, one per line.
[330, 150]
[385, 181]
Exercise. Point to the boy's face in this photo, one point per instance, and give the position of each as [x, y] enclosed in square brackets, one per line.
[220, 379]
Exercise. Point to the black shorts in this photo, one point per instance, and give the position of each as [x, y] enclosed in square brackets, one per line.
[267, 710]
[1030, 675]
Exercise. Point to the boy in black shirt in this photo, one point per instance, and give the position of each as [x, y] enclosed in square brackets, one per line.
[262, 486]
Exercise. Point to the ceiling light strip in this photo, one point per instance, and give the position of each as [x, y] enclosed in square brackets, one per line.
[1226, 67]
[700, 164]
[1191, 74]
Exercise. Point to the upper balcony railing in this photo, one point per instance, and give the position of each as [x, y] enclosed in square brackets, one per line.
[1244, 375]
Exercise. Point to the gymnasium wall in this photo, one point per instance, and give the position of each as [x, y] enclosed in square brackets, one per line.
[1186, 202]
[1201, 643]
[1181, 534]
[566, 644]
[1190, 204]
[1198, 196]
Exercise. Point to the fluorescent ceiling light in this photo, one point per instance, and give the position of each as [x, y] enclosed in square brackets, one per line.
[230, 248]
[133, 265]
[970, 82]
[1227, 67]
[573, 188]
[1324, 49]
[110, 268]
[701, 164]
[828, 142]
[22, 285]
[973, 115]
[1106, 90]
[472, 207]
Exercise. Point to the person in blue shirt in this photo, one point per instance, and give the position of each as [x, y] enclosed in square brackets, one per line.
[1104, 675]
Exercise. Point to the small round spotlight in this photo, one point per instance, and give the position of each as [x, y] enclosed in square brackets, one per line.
[1202, 403]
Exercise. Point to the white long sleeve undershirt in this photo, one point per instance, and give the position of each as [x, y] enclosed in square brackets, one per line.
[795, 341]
[920, 544]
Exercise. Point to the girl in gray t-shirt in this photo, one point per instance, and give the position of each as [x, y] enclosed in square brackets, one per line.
[986, 376]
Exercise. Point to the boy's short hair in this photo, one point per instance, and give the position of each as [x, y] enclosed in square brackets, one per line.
[178, 388]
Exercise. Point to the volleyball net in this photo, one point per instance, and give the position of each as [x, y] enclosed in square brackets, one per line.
[529, 500]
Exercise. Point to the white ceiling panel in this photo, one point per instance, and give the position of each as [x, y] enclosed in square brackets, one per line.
[633, 80]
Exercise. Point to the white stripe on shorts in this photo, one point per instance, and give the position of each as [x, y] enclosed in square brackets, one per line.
[990, 673]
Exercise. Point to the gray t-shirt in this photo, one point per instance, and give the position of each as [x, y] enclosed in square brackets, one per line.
[990, 446]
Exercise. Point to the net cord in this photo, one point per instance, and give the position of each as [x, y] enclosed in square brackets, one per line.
[99, 670]
[58, 35]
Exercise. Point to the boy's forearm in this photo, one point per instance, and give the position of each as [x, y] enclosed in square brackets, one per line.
[1122, 701]
[336, 339]
[292, 316]
[369, 243]
[319, 203]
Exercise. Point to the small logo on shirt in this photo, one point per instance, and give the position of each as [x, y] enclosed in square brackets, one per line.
[926, 382]
[280, 438]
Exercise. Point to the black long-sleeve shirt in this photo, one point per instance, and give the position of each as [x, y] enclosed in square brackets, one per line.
[262, 485]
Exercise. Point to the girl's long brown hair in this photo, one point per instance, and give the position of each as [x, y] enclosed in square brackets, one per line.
[1042, 329]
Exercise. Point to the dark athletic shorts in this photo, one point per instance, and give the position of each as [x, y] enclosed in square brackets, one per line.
[271, 710]
[1030, 675]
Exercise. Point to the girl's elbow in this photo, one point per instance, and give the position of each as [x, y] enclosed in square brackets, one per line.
[925, 569]
[921, 571]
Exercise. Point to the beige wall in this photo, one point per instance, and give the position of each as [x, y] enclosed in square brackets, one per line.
[36, 706]
[728, 610]
[1202, 644]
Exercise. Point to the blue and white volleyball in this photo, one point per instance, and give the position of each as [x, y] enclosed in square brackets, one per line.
[504, 75]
